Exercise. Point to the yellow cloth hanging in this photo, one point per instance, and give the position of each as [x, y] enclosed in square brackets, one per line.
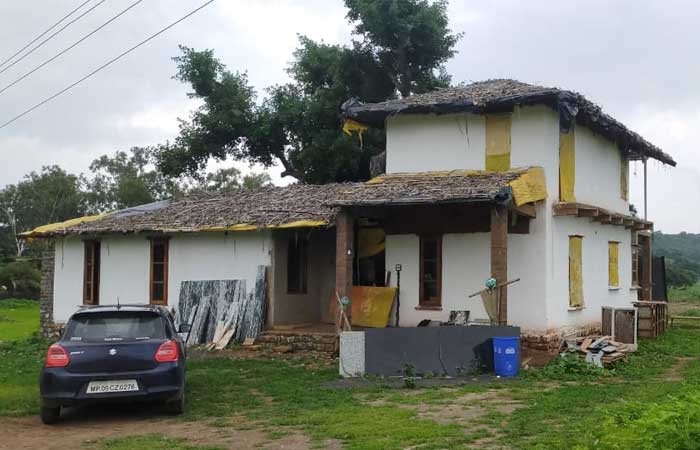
[350, 125]
[575, 271]
[613, 264]
[567, 166]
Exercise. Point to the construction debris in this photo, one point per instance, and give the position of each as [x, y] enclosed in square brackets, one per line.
[601, 351]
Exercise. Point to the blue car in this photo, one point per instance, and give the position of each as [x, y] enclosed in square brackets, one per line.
[115, 353]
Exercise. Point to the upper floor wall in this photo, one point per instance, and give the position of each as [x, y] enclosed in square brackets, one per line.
[529, 136]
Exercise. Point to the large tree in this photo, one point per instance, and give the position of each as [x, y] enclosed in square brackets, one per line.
[127, 179]
[401, 47]
[51, 195]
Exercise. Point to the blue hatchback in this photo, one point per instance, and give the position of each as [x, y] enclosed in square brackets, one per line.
[115, 353]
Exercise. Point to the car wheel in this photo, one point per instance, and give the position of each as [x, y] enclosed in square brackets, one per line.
[176, 407]
[50, 415]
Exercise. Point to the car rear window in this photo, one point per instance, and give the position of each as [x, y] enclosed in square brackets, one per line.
[114, 326]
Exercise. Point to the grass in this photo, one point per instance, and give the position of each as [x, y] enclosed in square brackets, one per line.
[147, 442]
[567, 405]
[18, 319]
[684, 293]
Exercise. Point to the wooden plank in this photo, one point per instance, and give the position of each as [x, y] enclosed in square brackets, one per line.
[588, 212]
[499, 257]
[527, 210]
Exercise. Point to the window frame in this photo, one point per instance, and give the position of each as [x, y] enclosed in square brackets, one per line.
[301, 244]
[91, 269]
[435, 302]
[165, 242]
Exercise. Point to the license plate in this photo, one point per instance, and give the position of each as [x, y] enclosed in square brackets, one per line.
[107, 387]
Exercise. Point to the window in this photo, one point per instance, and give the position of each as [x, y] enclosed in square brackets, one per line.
[613, 264]
[430, 271]
[159, 271]
[624, 178]
[297, 262]
[575, 271]
[567, 166]
[91, 273]
[498, 142]
[635, 265]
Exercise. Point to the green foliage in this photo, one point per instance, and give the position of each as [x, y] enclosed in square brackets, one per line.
[682, 252]
[684, 293]
[21, 279]
[19, 319]
[409, 376]
[402, 47]
[672, 423]
[126, 179]
[410, 39]
[568, 367]
[51, 195]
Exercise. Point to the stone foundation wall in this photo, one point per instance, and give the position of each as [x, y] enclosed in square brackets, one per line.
[298, 342]
[47, 327]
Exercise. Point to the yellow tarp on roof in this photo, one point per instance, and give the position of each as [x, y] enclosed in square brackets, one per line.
[529, 187]
[59, 226]
[248, 227]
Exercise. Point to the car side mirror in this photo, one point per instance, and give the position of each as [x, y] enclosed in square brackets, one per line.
[184, 328]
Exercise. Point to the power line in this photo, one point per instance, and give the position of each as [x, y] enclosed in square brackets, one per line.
[121, 55]
[52, 36]
[42, 34]
[65, 50]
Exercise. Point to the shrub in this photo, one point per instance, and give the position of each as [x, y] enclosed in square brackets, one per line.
[21, 279]
[670, 424]
[568, 367]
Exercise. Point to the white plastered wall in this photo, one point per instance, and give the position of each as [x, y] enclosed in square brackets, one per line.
[596, 292]
[217, 256]
[68, 277]
[125, 272]
[419, 143]
[598, 172]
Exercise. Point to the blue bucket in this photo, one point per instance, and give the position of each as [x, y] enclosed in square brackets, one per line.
[506, 355]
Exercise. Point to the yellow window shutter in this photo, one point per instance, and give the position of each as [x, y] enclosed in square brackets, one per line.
[567, 166]
[498, 142]
[624, 177]
[613, 264]
[575, 271]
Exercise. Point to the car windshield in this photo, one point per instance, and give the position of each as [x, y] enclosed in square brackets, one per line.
[114, 326]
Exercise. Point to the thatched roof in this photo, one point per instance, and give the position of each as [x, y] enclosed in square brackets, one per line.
[502, 95]
[304, 205]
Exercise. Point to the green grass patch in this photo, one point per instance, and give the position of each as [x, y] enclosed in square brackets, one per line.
[629, 407]
[19, 376]
[19, 319]
[146, 442]
[685, 293]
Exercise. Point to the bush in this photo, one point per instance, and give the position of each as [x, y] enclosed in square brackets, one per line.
[21, 279]
[670, 424]
[568, 367]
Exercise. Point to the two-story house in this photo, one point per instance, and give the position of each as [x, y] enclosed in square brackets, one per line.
[497, 178]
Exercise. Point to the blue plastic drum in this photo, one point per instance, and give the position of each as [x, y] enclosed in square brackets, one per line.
[506, 355]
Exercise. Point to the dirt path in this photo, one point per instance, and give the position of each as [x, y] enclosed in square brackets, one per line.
[81, 426]
[675, 372]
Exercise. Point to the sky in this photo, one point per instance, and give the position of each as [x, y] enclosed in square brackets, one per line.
[637, 59]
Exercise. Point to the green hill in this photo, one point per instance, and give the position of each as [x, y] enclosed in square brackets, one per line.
[682, 252]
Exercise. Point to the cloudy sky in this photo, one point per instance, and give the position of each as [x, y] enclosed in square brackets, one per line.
[638, 59]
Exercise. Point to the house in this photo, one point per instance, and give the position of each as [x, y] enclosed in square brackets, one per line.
[497, 178]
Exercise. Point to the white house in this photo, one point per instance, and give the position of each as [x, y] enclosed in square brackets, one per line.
[497, 178]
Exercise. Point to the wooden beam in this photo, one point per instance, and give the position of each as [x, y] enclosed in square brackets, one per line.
[527, 210]
[628, 222]
[617, 219]
[499, 257]
[344, 255]
[588, 212]
[565, 209]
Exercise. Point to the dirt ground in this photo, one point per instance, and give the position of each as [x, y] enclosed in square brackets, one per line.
[81, 427]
